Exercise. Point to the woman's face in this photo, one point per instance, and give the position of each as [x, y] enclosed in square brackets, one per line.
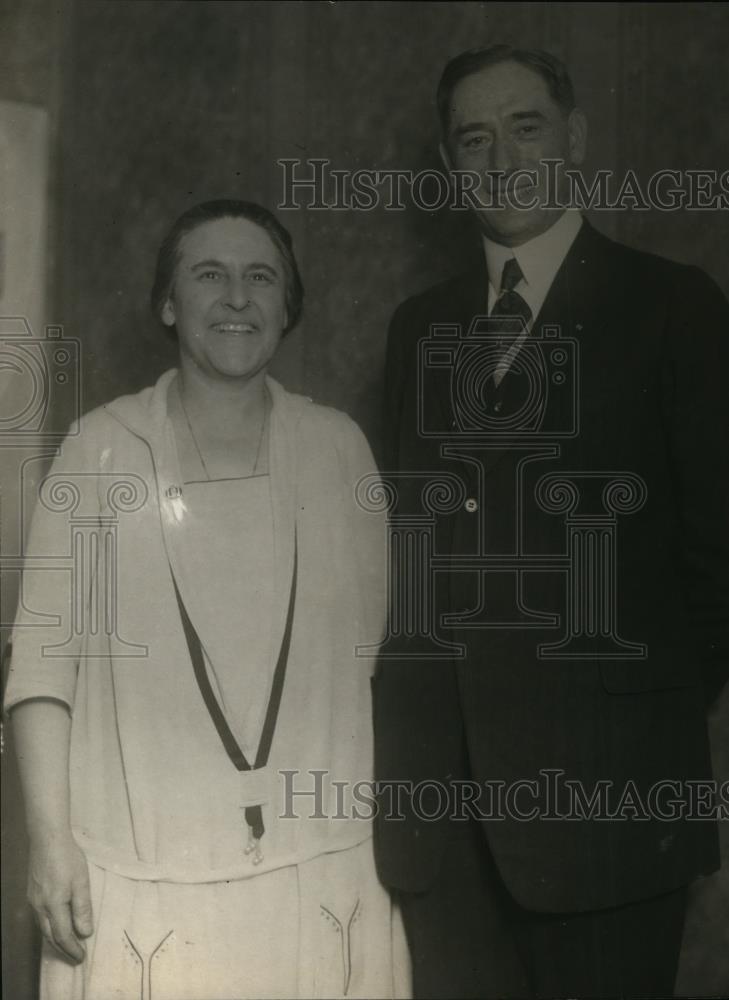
[228, 298]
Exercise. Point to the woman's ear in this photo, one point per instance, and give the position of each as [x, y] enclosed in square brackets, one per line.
[168, 313]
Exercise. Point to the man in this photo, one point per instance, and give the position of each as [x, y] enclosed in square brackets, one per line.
[582, 433]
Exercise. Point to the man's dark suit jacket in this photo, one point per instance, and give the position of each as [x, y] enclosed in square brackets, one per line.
[653, 344]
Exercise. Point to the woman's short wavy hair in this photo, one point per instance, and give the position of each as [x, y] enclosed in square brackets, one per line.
[227, 208]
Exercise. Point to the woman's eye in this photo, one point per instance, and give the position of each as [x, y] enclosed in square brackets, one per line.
[211, 275]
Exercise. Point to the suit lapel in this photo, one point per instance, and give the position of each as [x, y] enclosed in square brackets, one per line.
[577, 299]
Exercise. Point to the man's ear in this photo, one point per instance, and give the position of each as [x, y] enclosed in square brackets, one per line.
[168, 313]
[577, 132]
[445, 156]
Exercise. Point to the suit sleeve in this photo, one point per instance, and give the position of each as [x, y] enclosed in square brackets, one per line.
[697, 377]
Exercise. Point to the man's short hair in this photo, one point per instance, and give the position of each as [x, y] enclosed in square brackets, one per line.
[228, 208]
[553, 72]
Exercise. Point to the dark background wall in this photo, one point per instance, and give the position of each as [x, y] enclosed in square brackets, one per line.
[158, 105]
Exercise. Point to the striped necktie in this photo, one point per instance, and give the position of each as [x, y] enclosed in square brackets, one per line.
[510, 303]
[512, 307]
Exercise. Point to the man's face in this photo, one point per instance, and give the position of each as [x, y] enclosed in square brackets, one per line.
[228, 298]
[503, 119]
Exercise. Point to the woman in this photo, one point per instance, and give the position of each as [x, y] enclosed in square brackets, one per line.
[192, 730]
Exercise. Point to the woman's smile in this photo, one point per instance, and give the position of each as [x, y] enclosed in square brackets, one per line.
[236, 328]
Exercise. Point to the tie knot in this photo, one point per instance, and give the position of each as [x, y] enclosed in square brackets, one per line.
[511, 275]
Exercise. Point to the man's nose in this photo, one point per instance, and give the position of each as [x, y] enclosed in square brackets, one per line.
[238, 295]
[503, 155]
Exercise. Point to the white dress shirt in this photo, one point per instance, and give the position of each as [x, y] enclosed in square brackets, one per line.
[539, 260]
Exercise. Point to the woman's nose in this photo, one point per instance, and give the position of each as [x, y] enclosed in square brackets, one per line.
[238, 295]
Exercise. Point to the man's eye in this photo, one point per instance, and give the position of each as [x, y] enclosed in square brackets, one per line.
[527, 131]
[261, 276]
[474, 141]
[210, 275]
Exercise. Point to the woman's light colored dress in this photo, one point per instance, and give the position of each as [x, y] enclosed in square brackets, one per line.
[181, 912]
